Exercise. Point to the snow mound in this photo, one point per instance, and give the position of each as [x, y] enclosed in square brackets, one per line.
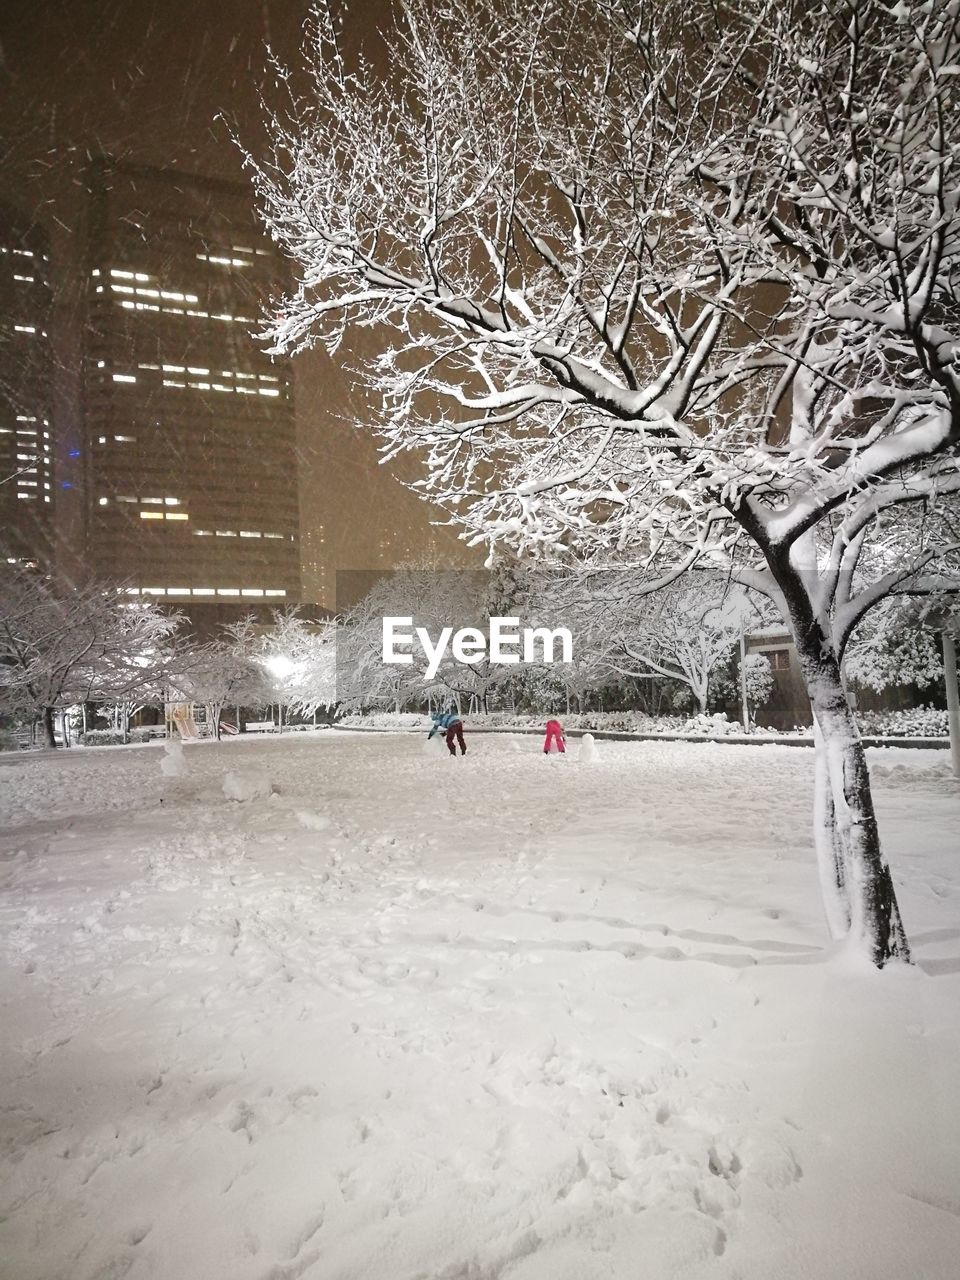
[588, 749]
[246, 785]
[313, 821]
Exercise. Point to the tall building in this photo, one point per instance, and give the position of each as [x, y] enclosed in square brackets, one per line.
[190, 451]
[26, 455]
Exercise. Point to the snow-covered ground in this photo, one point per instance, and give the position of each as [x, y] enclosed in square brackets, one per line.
[493, 1018]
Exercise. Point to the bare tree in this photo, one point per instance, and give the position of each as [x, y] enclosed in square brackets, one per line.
[61, 644]
[224, 670]
[658, 285]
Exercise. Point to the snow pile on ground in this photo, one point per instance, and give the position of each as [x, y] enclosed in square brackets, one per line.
[247, 784]
[386, 720]
[506, 1020]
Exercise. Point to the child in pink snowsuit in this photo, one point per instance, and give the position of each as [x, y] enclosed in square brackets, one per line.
[554, 735]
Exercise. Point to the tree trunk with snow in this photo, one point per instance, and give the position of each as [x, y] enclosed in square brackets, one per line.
[854, 874]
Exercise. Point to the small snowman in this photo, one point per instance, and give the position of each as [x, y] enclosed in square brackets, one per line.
[173, 764]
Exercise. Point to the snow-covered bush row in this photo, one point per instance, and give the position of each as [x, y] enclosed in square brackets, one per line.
[103, 738]
[921, 722]
[916, 722]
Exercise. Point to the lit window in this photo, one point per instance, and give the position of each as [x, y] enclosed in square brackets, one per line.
[125, 439]
[104, 501]
[156, 502]
[152, 591]
[24, 279]
[172, 502]
[203, 533]
[178, 591]
[25, 328]
[151, 515]
[120, 275]
[228, 591]
[177, 515]
[197, 372]
[275, 593]
[264, 391]
[124, 377]
[248, 533]
[203, 591]
[226, 533]
[251, 591]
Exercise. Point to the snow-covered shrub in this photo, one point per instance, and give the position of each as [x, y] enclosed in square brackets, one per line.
[914, 722]
[712, 725]
[758, 678]
[147, 732]
[102, 738]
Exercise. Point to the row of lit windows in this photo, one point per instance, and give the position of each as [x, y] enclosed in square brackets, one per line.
[28, 253]
[151, 502]
[236, 533]
[29, 328]
[201, 371]
[198, 371]
[249, 592]
[181, 311]
[182, 515]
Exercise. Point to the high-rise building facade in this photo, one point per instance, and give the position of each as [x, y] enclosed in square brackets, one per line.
[26, 451]
[190, 440]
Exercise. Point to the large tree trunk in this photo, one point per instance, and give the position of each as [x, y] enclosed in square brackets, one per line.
[49, 735]
[831, 855]
[852, 867]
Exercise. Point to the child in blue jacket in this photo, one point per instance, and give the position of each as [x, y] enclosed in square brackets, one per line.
[452, 727]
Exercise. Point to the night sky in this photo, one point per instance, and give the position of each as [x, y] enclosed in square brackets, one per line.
[146, 80]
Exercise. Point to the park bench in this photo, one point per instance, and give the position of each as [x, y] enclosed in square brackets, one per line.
[260, 726]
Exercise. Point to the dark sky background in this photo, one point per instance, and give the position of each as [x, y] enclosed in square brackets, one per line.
[145, 80]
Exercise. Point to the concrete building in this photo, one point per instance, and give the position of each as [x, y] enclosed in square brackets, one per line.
[26, 452]
[190, 467]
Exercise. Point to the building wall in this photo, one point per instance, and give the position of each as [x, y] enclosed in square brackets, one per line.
[26, 451]
[191, 465]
